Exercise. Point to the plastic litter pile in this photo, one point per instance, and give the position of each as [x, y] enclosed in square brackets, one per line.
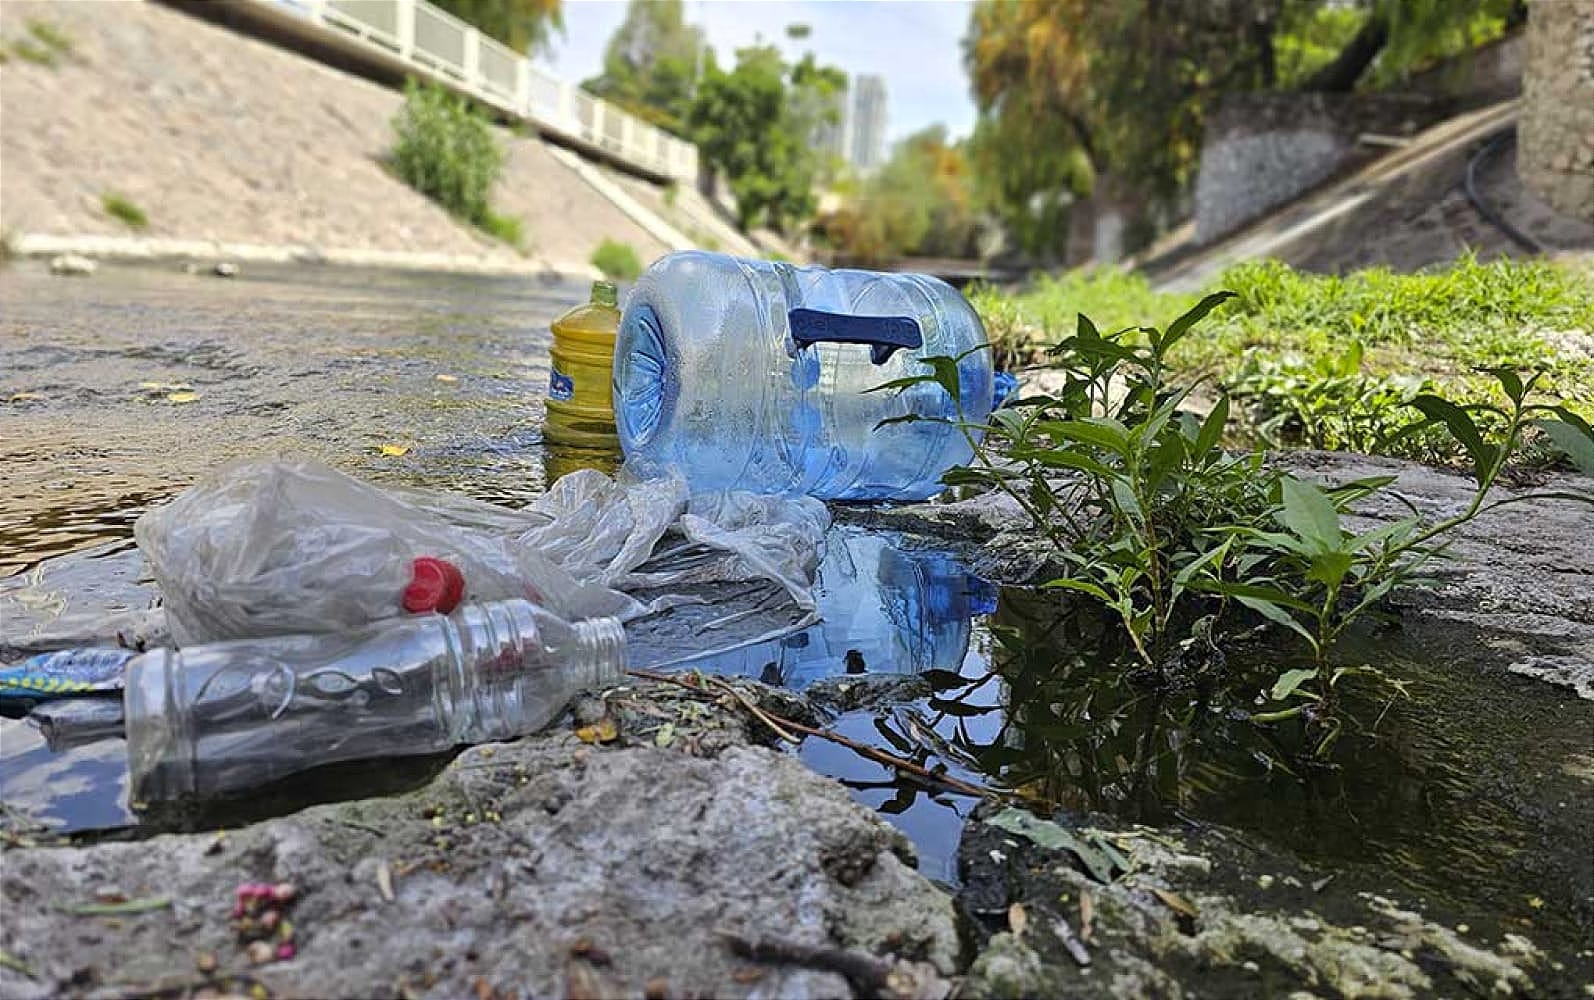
[282, 548]
[301, 601]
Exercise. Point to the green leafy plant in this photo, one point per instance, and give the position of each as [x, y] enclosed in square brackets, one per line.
[446, 150]
[1330, 403]
[617, 260]
[121, 208]
[1148, 516]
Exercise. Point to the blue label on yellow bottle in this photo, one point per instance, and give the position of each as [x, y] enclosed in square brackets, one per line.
[560, 385]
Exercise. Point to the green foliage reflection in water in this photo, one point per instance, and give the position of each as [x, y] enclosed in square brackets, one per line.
[1172, 536]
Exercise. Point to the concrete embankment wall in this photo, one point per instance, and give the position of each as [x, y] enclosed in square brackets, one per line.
[223, 140]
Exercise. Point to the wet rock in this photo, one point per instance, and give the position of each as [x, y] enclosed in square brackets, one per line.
[1190, 918]
[71, 264]
[1007, 968]
[225, 269]
[1572, 672]
[867, 691]
[528, 865]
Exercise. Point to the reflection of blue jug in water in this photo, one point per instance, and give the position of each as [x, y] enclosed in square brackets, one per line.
[883, 610]
[755, 375]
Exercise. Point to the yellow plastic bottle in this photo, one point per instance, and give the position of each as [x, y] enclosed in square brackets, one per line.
[580, 400]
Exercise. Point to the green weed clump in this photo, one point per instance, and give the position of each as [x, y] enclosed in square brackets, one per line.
[509, 228]
[617, 261]
[121, 208]
[46, 45]
[445, 149]
[1180, 540]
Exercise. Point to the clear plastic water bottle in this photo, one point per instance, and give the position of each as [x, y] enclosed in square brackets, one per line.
[220, 718]
[754, 375]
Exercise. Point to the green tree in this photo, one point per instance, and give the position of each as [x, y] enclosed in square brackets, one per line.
[815, 102]
[523, 25]
[650, 67]
[919, 203]
[1074, 91]
[754, 123]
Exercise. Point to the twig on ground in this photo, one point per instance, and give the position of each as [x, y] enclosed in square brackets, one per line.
[870, 976]
[785, 727]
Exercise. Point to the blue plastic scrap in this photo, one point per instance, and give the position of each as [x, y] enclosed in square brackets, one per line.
[65, 673]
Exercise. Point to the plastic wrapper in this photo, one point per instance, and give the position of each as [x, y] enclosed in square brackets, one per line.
[290, 547]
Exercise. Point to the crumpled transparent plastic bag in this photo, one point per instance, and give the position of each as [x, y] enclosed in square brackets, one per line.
[288, 547]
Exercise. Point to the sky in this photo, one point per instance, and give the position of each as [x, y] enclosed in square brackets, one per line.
[916, 45]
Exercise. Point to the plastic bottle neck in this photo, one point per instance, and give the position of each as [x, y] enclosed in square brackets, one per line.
[600, 651]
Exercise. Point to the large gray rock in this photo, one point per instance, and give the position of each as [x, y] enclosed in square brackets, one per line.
[539, 868]
[1206, 913]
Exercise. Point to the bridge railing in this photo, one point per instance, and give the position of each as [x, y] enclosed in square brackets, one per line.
[439, 45]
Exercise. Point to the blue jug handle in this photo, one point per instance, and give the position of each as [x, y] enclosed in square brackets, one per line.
[883, 334]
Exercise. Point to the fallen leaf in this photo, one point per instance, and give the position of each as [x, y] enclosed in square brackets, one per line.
[1017, 919]
[1087, 915]
[748, 974]
[116, 909]
[25, 397]
[447, 378]
[1176, 903]
[1098, 857]
[182, 397]
[602, 731]
[384, 880]
[665, 735]
[394, 450]
[12, 962]
[1536, 902]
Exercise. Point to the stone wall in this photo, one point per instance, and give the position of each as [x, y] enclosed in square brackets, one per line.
[1555, 148]
[1490, 73]
[1262, 150]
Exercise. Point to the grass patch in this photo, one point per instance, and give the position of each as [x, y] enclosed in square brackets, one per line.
[1331, 362]
[617, 261]
[46, 45]
[121, 208]
[509, 228]
[51, 37]
[28, 51]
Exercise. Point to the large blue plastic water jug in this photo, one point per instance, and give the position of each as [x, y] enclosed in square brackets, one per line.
[749, 374]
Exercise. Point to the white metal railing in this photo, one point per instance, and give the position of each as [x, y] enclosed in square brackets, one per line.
[442, 46]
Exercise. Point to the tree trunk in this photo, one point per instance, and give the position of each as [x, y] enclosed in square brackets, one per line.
[1262, 38]
[1340, 76]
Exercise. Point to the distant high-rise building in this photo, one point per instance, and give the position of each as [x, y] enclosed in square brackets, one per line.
[864, 143]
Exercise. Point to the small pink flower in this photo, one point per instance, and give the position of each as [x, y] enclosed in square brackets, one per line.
[285, 951]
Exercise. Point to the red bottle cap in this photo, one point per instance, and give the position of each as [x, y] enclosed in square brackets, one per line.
[435, 585]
